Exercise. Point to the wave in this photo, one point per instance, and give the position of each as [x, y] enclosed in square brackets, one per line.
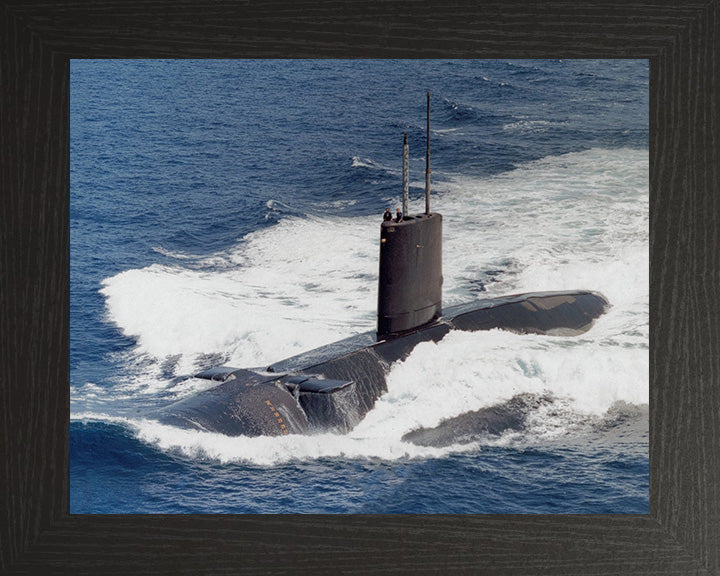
[374, 167]
[526, 126]
[358, 162]
[171, 254]
[408, 406]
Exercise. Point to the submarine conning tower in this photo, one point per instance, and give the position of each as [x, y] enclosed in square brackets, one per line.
[410, 279]
[410, 287]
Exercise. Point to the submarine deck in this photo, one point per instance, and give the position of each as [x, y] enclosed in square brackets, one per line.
[530, 307]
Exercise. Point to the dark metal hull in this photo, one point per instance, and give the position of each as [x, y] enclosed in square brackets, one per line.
[333, 387]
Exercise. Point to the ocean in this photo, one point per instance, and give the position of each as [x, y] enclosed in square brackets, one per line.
[228, 212]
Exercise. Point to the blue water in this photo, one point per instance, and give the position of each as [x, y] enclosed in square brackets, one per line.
[189, 171]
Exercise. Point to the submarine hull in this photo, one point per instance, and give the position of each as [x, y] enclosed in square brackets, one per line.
[472, 426]
[244, 405]
[333, 387]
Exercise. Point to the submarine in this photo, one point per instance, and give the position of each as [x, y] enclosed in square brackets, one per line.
[332, 388]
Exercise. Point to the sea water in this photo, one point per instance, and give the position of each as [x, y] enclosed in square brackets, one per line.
[228, 212]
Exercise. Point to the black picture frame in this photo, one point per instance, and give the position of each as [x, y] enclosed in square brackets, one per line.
[680, 535]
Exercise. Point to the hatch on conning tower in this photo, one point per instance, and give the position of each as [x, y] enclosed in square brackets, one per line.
[410, 280]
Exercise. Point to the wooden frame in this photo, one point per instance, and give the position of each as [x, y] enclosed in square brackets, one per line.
[680, 535]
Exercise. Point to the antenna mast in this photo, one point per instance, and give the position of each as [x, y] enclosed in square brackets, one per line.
[405, 176]
[427, 160]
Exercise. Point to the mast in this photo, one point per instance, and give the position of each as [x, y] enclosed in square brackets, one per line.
[427, 160]
[405, 177]
[410, 276]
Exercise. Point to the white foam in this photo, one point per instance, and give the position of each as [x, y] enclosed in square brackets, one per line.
[357, 162]
[524, 126]
[464, 372]
[273, 450]
[469, 371]
[276, 296]
[568, 222]
[170, 253]
[371, 164]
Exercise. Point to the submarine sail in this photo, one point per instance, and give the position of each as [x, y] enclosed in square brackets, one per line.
[410, 278]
